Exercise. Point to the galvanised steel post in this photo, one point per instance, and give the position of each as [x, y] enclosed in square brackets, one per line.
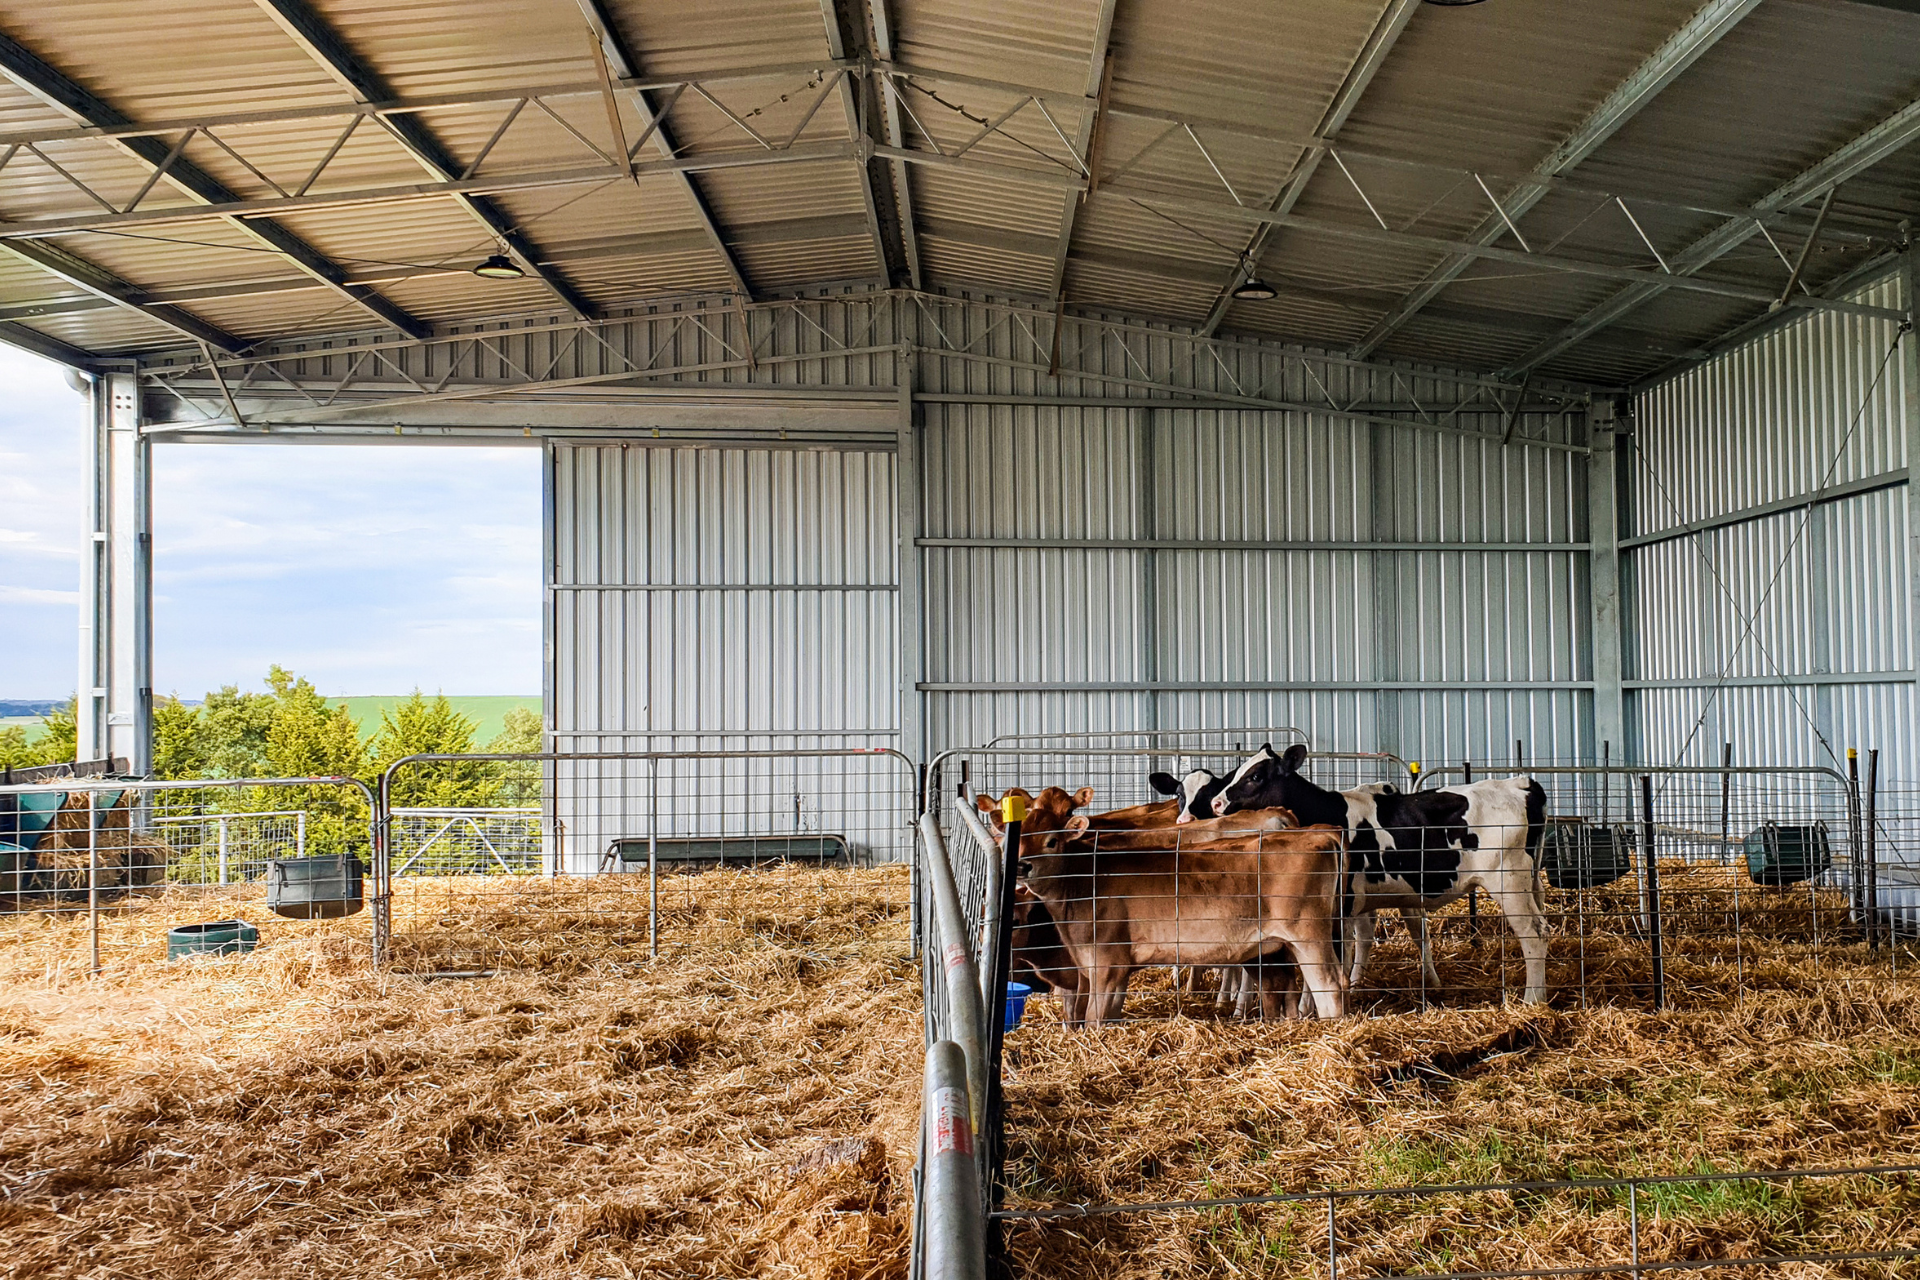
[956, 961]
[1653, 894]
[954, 1232]
[1013, 812]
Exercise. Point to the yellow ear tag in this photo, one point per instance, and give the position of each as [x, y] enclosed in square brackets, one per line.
[1013, 808]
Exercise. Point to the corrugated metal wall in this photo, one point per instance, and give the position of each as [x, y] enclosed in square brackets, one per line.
[1784, 626]
[1187, 568]
[1091, 553]
[715, 598]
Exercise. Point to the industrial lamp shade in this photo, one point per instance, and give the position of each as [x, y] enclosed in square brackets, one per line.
[1254, 289]
[499, 267]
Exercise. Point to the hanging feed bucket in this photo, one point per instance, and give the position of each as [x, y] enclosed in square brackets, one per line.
[219, 938]
[1017, 993]
[319, 888]
[1779, 855]
[1585, 855]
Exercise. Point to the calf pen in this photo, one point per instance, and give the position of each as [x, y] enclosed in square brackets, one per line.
[1732, 998]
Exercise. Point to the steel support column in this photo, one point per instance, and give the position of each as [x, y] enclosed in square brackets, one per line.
[114, 712]
[910, 615]
[1603, 589]
[1910, 404]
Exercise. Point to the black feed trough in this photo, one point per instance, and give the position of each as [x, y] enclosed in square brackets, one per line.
[1585, 855]
[704, 853]
[1779, 854]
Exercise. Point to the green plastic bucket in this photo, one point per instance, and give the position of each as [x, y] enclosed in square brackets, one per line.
[217, 938]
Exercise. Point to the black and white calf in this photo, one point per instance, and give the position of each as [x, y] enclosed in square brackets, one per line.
[1195, 791]
[1419, 851]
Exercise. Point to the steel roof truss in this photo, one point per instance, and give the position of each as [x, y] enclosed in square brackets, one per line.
[1849, 160]
[1660, 69]
[654, 130]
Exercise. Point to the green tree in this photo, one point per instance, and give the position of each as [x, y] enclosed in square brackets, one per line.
[60, 734]
[519, 780]
[420, 726]
[309, 738]
[15, 751]
[233, 729]
[179, 740]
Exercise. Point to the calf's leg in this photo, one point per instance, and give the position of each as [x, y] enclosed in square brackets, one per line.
[1523, 917]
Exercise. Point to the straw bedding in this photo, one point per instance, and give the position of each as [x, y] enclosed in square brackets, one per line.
[1771, 1055]
[746, 1106]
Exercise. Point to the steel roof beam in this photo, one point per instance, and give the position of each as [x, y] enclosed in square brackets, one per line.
[846, 38]
[889, 104]
[1678, 52]
[1372, 57]
[1054, 178]
[622, 61]
[1097, 72]
[103, 284]
[323, 45]
[1849, 161]
[32, 73]
[17, 335]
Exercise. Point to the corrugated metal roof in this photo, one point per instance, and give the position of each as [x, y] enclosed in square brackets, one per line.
[1210, 110]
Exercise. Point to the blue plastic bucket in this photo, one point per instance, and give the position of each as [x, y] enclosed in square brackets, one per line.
[1017, 993]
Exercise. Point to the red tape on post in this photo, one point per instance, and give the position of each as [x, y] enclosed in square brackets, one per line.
[952, 1128]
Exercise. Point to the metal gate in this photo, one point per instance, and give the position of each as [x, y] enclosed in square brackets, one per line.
[117, 864]
[645, 853]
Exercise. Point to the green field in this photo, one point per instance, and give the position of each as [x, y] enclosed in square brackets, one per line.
[488, 711]
[33, 724]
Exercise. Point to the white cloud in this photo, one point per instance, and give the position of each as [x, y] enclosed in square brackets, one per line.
[371, 569]
[37, 595]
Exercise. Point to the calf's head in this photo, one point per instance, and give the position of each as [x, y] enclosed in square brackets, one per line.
[1048, 811]
[1196, 791]
[1271, 780]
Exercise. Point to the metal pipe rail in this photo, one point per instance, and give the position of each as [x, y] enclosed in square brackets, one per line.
[959, 966]
[952, 1228]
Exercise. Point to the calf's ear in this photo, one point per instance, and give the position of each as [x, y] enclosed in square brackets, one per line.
[1083, 796]
[985, 804]
[1079, 822]
[1164, 784]
[1295, 757]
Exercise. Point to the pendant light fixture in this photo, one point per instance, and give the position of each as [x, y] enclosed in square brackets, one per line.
[1251, 287]
[499, 267]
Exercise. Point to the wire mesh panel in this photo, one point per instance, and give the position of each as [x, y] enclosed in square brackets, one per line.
[626, 855]
[102, 872]
[1120, 767]
[1758, 878]
[452, 841]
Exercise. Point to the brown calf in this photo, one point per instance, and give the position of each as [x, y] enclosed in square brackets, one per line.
[1219, 902]
[1048, 811]
[1040, 960]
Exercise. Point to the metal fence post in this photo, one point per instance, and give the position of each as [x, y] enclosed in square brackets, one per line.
[381, 832]
[1856, 864]
[653, 857]
[300, 834]
[1873, 849]
[221, 823]
[93, 877]
[1653, 894]
[994, 1004]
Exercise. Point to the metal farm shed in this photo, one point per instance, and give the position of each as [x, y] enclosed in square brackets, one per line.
[1424, 375]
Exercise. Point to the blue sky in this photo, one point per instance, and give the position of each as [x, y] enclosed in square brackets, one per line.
[368, 569]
